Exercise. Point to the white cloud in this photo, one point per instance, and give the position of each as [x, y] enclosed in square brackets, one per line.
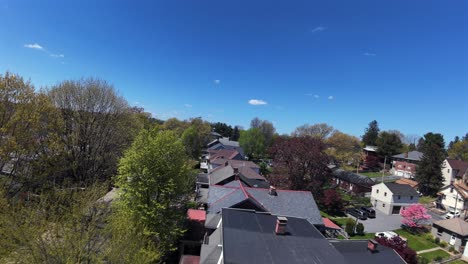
[216, 82]
[188, 105]
[257, 102]
[34, 46]
[57, 55]
[316, 96]
[318, 29]
[330, 97]
[369, 54]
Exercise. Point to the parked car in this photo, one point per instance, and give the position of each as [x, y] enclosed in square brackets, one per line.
[388, 235]
[357, 213]
[369, 211]
[452, 214]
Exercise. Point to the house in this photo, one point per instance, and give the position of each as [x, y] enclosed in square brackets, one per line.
[225, 143]
[246, 236]
[371, 157]
[453, 196]
[453, 231]
[405, 164]
[226, 174]
[389, 198]
[352, 182]
[454, 170]
[213, 154]
[235, 163]
[413, 184]
[277, 202]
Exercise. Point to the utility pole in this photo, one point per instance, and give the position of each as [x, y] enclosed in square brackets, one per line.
[383, 172]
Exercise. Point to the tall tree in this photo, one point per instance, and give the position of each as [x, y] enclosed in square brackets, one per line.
[223, 129]
[459, 150]
[196, 137]
[389, 144]
[321, 131]
[235, 134]
[97, 128]
[266, 127]
[429, 171]
[253, 143]
[156, 178]
[300, 164]
[372, 134]
[343, 147]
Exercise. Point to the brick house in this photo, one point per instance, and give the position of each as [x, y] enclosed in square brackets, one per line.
[405, 164]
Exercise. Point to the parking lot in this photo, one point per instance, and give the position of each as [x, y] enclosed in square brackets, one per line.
[381, 222]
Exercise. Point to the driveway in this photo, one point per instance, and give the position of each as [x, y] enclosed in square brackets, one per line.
[381, 222]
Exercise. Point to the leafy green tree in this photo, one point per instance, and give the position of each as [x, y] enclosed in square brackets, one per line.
[350, 225]
[459, 150]
[196, 137]
[372, 134]
[389, 144]
[343, 147]
[266, 127]
[156, 180]
[360, 229]
[235, 134]
[429, 171]
[253, 143]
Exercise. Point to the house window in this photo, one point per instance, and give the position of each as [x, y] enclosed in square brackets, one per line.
[377, 191]
[385, 194]
[399, 197]
[451, 190]
[411, 197]
[383, 205]
[448, 170]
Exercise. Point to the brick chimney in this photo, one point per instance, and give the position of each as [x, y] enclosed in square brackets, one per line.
[236, 170]
[372, 245]
[272, 191]
[281, 223]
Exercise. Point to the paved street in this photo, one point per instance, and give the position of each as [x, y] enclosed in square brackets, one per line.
[382, 222]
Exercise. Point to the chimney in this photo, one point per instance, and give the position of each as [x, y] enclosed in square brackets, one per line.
[281, 223]
[236, 170]
[272, 191]
[226, 163]
[406, 154]
[372, 245]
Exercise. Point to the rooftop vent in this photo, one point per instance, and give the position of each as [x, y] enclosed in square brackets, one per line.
[281, 223]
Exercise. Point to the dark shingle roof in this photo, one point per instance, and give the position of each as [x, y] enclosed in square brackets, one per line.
[355, 251]
[249, 237]
[286, 203]
[459, 165]
[236, 163]
[412, 155]
[401, 189]
[353, 178]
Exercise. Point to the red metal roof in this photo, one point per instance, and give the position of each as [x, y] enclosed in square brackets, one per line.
[329, 224]
[196, 215]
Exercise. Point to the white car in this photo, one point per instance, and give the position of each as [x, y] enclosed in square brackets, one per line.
[388, 235]
[452, 214]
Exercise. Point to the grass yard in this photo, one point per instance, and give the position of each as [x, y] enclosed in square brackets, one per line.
[426, 199]
[458, 261]
[341, 221]
[374, 174]
[433, 255]
[416, 242]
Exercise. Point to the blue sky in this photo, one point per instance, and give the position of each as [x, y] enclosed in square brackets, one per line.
[346, 63]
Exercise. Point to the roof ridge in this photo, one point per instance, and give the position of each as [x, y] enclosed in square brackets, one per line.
[222, 198]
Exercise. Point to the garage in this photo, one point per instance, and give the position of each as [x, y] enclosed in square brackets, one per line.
[396, 209]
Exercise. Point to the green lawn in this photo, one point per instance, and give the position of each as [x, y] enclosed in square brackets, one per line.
[426, 199]
[416, 242]
[430, 256]
[458, 261]
[374, 174]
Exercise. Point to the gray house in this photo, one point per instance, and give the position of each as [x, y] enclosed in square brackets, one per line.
[453, 231]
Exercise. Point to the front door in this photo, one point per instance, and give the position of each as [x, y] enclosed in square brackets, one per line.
[452, 240]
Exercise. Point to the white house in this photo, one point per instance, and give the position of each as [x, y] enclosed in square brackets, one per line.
[453, 196]
[454, 170]
[389, 198]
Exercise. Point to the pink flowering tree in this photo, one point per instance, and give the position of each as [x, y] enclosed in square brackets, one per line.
[414, 215]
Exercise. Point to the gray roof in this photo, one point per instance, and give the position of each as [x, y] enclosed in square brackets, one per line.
[412, 155]
[286, 203]
[455, 225]
[249, 237]
[353, 178]
[212, 221]
[355, 251]
[211, 252]
[220, 174]
[401, 189]
[202, 195]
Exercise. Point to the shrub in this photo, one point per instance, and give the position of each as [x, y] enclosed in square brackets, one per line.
[350, 226]
[438, 258]
[437, 240]
[422, 260]
[443, 244]
[360, 229]
[429, 237]
[451, 249]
